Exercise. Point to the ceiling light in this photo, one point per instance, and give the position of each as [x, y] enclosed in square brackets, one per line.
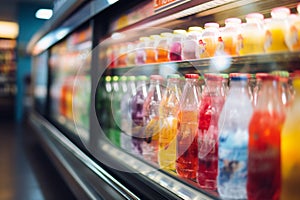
[44, 14]
[9, 29]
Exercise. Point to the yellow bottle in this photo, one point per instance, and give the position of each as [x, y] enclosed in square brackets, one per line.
[276, 30]
[168, 110]
[290, 149]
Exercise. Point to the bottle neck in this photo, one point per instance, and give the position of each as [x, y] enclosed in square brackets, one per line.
[269, 97]
[213, 87]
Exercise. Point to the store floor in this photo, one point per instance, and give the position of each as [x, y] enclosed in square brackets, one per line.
[26, 172]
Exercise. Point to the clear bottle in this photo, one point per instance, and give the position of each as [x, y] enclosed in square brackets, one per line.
[131, 53]
[264, 178]
[137, 117]
[230, 35]
[293, 34]
[210, 108]
[187, 146]
[233, 140]
[163, 47]
[176, 45]
[126, 122]
[168, 113]
[276, 30]
[151, 118]
[257, 87]
[252, 38]
[190, 45]
[210, 39]
[290, 157]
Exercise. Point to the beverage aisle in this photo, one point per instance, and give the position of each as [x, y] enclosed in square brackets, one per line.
[26, 172]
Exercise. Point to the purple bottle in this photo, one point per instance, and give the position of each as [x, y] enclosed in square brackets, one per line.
[176, 45]
[138, 122]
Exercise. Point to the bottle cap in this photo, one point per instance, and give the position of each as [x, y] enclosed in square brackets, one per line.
[239, 76]
[142, 78]
[123, 78]
[211, 25]
[173, 76]
[254, 17]
[270, 77]
[213, 76]
[233, 21]
[131, 78]
[179, 32]
[192, 76]
[156, 77]
[225, 76]
[115, 78]
[108, 78]
[155, 37]
[260, 75]
[166, 34]
[280, 12]
[195, 29]
[143, 39]
[281, 73]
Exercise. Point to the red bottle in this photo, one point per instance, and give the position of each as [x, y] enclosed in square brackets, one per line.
[187, 146]
[210, 109]
[264, 142]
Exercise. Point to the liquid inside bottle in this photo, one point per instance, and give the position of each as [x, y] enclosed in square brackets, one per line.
[210, 109]
[187, 145]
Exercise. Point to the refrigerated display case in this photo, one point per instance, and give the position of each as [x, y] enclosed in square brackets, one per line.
[96, 71]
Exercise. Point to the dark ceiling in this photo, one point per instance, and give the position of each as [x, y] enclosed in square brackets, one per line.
[9, 8]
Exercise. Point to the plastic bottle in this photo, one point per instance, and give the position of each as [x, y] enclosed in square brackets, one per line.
[163, 47]
[233, 140]
[190, 45]
[230, 35]
[293, 33]
[210, 109]
[290, 157]
[140, 56]
[151, 50]
[122, 57]
[176, 45]
[264, 142]
[252, 38]
[151, 118]
[126, 121]
[138, 122]
[209, 40]
[276, 30]
[187, 146]
[131, 53]
[168, 113]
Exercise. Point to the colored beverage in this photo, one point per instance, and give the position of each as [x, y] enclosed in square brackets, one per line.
[264, 142]
[168, 113]
[187, 145]
[230, 35]
[163, 47]
[151, 117]
[176, 45]
[290, 157]
[210, 109]
[209, 42]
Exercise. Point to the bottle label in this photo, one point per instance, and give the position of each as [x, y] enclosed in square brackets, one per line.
[233, 156]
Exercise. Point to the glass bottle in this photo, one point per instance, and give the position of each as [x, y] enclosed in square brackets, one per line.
[290, 157]
[151, 118]
[233, 139]
[168, 113]
[210, 109]
[137, 117]
[140, 56]
[264, 142]
[187, 146]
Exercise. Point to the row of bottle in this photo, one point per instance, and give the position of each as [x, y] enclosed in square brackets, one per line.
[257, 36]
[218, 141]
